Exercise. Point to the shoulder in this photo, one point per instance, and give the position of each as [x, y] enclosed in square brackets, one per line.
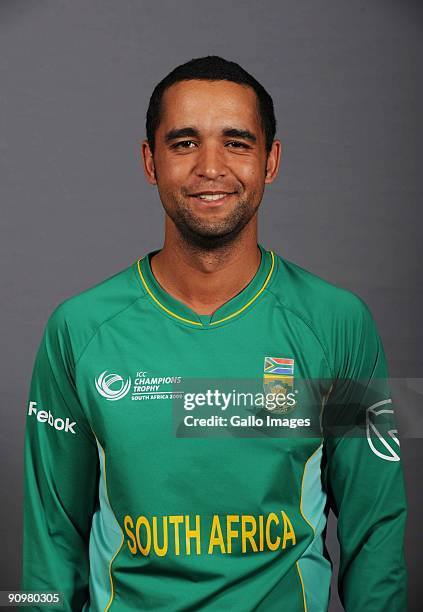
[315, 298]
[338, 317]
[75, 320]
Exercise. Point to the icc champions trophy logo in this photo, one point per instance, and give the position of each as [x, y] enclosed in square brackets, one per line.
[105, 383]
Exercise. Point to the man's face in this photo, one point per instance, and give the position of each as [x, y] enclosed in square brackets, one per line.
[210, 159]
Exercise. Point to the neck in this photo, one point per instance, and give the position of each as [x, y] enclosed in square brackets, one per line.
[206, 279]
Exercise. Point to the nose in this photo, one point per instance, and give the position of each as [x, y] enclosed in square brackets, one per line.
[210, 161]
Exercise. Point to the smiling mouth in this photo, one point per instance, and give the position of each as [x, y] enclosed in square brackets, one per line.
[213, 199]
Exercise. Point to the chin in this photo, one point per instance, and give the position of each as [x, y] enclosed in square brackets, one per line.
[209, 240]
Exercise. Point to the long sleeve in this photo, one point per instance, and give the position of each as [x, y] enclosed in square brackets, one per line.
[60, 474]
[364, 475]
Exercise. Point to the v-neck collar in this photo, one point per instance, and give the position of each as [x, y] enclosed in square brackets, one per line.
[228, 311]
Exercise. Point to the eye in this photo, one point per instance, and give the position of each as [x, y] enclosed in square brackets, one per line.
[182, 144]
[238, 144]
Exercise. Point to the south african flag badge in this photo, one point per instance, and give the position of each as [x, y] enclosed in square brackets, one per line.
[278, 376]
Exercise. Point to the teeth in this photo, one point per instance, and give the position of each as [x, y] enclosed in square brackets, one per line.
[210, 197]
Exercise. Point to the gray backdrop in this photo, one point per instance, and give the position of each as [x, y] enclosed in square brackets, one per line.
[75, 80]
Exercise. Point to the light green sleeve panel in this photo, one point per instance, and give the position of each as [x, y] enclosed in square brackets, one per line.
[60, 475]
[363, 471]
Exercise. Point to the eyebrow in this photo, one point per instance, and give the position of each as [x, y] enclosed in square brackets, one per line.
[194, 133]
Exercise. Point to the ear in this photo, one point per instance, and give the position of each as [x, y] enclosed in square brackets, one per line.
[273, 161]
[148, 162]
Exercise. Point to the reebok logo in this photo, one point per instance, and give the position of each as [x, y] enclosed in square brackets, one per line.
[46, 417]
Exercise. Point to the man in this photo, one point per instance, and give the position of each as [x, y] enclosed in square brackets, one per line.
[142, 493]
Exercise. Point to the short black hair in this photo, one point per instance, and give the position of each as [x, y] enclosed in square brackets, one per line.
[212, 68]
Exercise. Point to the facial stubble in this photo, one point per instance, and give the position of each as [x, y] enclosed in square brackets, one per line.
[209, 235]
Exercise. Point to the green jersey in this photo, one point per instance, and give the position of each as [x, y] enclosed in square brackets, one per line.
[150, 486]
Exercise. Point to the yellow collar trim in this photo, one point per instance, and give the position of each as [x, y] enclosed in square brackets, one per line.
[234, 314]
[159, 303]
[253, 298]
